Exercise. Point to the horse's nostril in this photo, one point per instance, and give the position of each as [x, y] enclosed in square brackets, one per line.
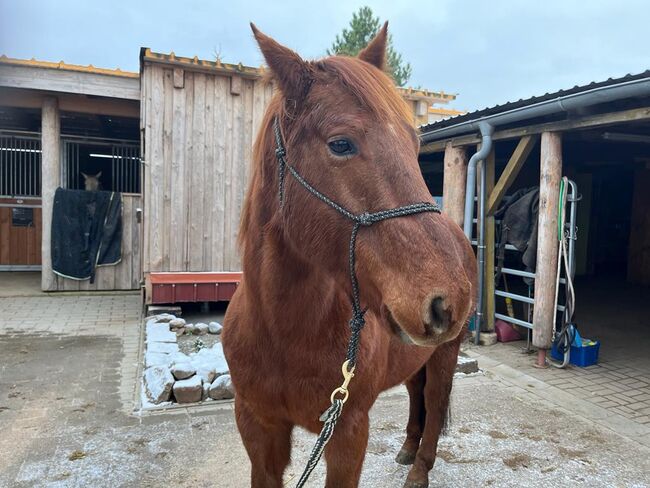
[437, 316]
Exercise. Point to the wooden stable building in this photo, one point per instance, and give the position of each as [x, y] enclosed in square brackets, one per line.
[597, 135]
[174, 139]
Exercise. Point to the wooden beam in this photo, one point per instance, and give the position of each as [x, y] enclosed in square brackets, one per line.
[54, 80]
[20, 98]
[517, 160]
[489, 247]
[50, 163]
[547, 243]
[453, 187]
[590, 121]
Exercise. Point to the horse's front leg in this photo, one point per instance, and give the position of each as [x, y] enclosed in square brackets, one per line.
[440, 370]
[268, 444]
[346, 450]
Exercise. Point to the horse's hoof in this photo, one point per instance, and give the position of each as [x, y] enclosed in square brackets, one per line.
[405, 457]
[416, 484]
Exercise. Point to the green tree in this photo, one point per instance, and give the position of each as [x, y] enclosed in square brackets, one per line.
[363, 28]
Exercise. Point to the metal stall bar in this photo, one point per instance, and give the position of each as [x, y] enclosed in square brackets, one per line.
[570, 228]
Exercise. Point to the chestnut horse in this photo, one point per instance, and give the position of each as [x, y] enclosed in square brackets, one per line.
[348, 132]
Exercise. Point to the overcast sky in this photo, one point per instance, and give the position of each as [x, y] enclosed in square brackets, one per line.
[486, 51]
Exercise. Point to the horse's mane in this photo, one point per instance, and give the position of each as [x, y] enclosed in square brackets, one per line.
[372, 88]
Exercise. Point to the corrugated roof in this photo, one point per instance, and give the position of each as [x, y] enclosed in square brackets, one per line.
[62, 65]
[497, 109]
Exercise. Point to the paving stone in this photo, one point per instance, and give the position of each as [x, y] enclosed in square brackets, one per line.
[163, 347]
[157, 359]
[159, 332]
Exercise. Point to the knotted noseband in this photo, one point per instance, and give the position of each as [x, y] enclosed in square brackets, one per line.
[365, 219]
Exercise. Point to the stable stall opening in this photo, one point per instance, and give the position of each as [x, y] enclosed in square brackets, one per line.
[20, 200]
[101, 165]
[20, 165]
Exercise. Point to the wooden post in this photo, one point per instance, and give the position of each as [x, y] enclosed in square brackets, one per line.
[489, 247]
[453, 187]
[50, 164]
[547, 243]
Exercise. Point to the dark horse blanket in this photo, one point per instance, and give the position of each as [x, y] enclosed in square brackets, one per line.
[86, 232]
[518, 214]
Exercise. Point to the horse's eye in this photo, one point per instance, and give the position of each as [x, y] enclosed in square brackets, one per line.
[342, 147]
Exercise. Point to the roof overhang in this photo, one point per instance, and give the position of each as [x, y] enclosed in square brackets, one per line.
[72, 79]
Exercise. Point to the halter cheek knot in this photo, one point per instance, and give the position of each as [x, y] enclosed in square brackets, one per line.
[365, 219]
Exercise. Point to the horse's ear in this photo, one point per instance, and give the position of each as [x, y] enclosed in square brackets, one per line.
[98, 174]
[84, 175]
[291, 72]
[375, 52]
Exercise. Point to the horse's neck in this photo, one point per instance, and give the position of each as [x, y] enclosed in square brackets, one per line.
[288, 292]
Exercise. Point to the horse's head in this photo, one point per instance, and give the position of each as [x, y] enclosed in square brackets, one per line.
[348, 132]
[91, 182]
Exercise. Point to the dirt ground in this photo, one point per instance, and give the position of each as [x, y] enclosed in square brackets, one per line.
[63, 424]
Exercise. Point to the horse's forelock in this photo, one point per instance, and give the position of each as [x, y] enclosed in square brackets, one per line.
[372, 88]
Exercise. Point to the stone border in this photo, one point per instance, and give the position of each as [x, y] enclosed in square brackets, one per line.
[169, 379]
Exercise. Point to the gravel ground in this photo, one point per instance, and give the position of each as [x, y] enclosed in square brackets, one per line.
[63, 425]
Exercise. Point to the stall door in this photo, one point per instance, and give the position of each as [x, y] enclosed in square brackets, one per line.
[20, 202]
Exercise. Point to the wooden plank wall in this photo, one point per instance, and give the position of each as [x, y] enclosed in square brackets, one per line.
[198, 136]
[126, 275]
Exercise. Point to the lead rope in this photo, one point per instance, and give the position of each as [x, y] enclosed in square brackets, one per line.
[357, 322]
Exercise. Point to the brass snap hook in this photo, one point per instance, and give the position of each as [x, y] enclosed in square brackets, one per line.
[348, 374]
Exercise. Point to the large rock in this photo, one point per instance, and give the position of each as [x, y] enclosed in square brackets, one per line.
[159, 332]
[210, 359]
[189, 390]
[165, 317]
[176, 323]
[222, 388]
[182, 371]
[206, 373]
[156, 359]
[201, 329]
[214, 328]
[466, 365]
[158, 383]
[163, 347]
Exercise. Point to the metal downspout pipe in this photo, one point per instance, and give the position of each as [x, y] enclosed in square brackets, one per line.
[470, 190]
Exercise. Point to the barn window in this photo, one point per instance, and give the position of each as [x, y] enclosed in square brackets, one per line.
[20, 165]
[115, 166]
